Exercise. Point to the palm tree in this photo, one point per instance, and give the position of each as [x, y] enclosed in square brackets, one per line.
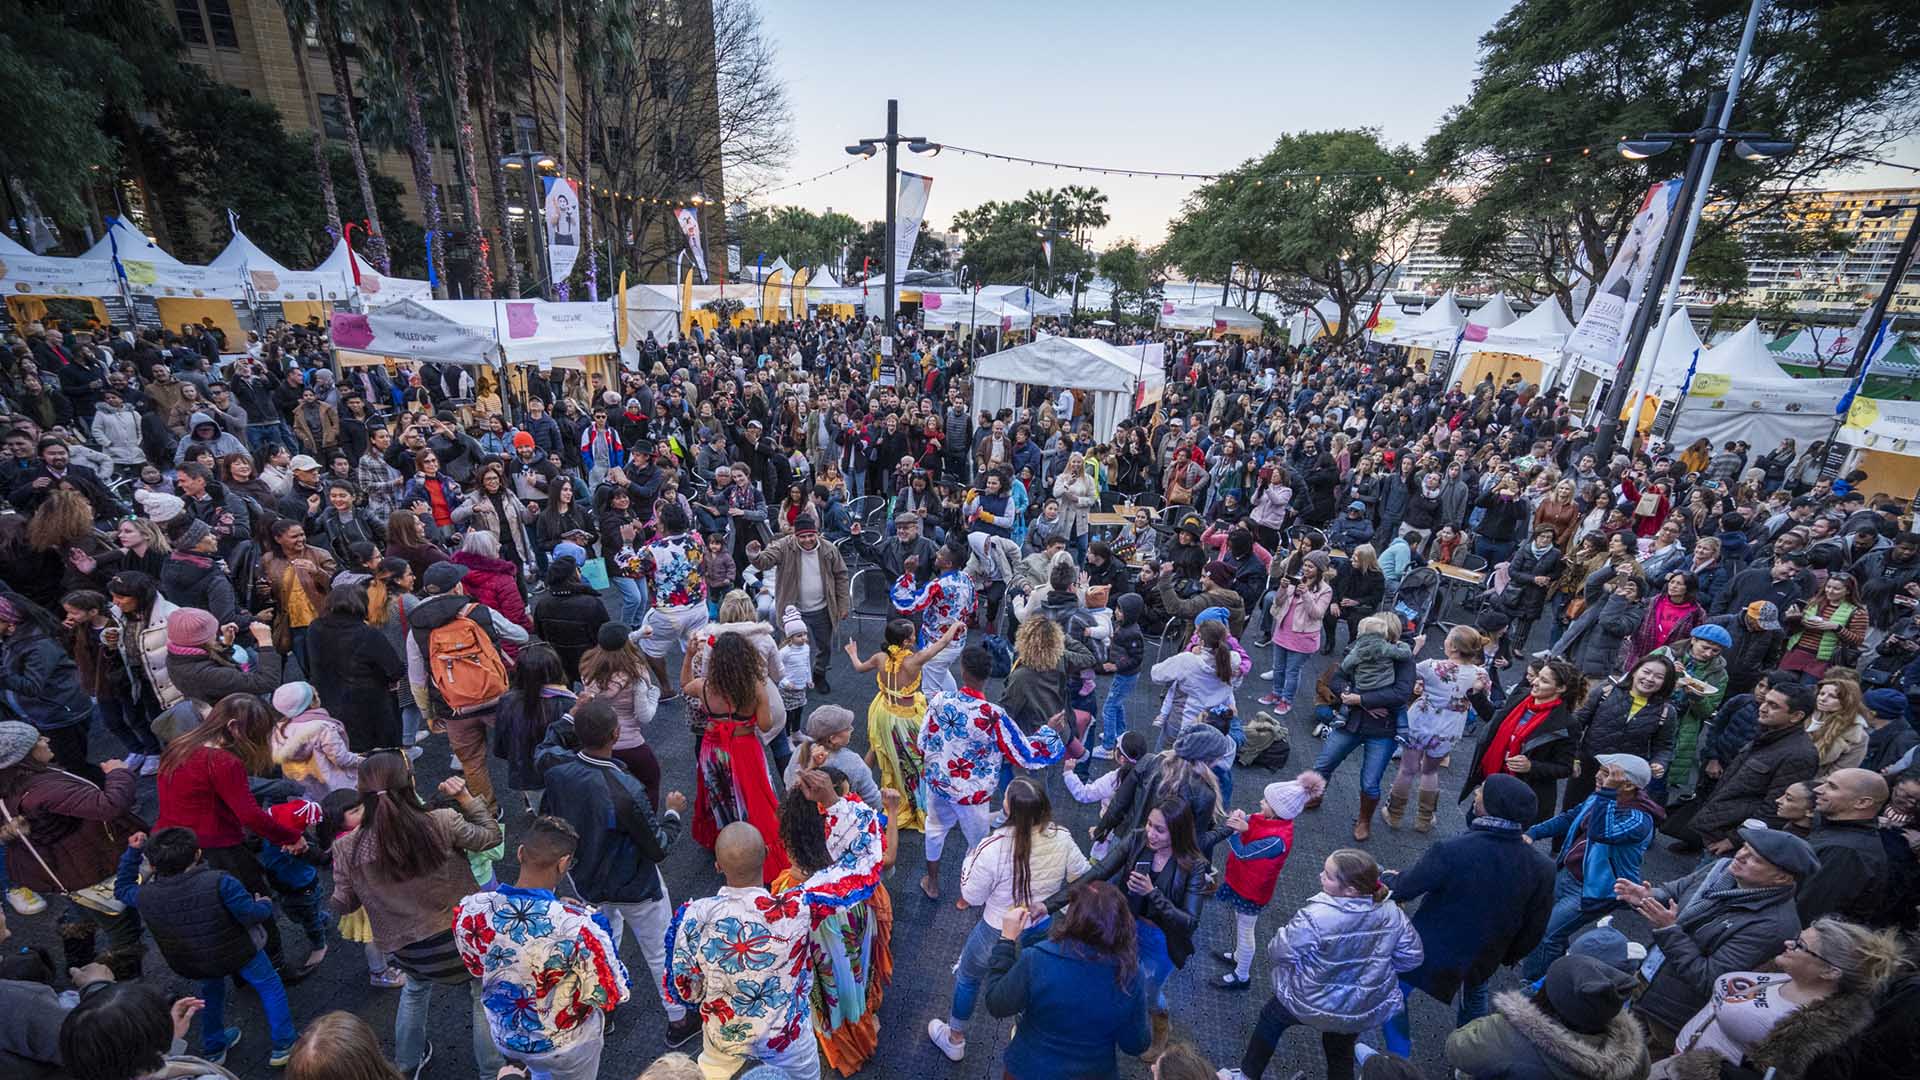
[403, 27]
[298, 12]
[463, 142]
[330, 14]
[485, 70]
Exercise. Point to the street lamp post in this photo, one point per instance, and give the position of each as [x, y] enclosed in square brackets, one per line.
[867, 148]
[533, 162]
[1752, 145]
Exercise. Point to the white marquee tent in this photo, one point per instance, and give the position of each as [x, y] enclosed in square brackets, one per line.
[1739, 392]
[152, 271]
[375, 288]
[1209, 318]
[1111, 375]
[1434, 328]
[1539, 335]
[272, 281]
[475, 332]
[1494, 314]
[959, 310]
[23, 273]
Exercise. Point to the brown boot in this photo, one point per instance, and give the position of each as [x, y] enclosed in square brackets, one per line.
[1162, 1030]
[1396, 806]
[1423, 818]
[1363, 825]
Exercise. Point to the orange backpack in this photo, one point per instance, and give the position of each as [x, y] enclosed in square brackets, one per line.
[464, 664]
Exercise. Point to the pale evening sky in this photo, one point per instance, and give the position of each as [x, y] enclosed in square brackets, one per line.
[1197, 87]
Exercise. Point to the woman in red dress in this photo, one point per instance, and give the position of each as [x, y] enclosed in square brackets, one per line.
[734, 782]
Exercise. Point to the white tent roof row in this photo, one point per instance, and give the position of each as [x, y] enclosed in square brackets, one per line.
[1739, 392]
[475, 331]
[1207, 317]
[957, 310]
[1540, 334]
[151, 271]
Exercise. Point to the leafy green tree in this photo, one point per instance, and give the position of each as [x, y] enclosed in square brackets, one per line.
[1839, 78]
[801, 236]
[1325, 213]
[1132, 277]
[1001, 241]
[73, 75]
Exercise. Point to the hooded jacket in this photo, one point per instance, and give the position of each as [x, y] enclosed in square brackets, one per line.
[1519, 1041]
[117, 431]
[192, 580]
[1617, 838]
[216, 439]
[311, 749]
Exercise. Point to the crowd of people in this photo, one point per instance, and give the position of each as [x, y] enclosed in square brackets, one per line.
[246, 593]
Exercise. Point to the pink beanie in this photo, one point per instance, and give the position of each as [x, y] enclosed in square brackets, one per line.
[191, 629]
[1288, 797]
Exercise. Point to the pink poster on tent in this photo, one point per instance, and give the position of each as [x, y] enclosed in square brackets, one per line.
[522, 321]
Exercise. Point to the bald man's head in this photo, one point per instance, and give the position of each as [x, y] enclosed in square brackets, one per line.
[740, 853]
[1850, 795]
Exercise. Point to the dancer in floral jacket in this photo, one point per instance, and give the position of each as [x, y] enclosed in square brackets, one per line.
[744, 959]
[964, 744]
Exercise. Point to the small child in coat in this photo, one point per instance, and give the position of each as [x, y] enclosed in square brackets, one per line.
[796, 666]
[1257, 849]
[208, 928]
[1130, 748]
[1369, 662]
[1125, 653]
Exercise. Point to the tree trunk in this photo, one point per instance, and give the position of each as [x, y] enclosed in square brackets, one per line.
[463, 140]
[420, 151]
[496, 172]
[376, 243]
[589, 101]
[317, 135]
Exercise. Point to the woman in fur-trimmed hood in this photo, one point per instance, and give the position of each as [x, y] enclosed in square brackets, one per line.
[1575, 1028]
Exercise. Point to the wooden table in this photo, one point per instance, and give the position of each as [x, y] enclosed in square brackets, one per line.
[1460, 573]
[1119, 515]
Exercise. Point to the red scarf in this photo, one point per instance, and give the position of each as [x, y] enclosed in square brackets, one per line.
[1513, 732]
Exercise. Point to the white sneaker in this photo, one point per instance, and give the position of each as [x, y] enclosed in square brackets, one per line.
[1267, 674]
[414, 752]
[422, 735]
[151, 766]
[1102, 753]
[454, 763]
[941, 1035]
[1230, 1074]
[25, 901]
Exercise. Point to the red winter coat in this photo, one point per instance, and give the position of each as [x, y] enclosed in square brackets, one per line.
[495, 583]
[208, 793]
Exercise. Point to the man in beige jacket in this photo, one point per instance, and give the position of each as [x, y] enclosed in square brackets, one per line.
[812, 577]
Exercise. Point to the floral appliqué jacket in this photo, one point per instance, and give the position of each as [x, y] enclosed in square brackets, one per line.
[946, 600]
[966, 738]
[547, 965]
[743, 957]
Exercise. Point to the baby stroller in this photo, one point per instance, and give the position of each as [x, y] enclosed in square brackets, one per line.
[1414, 601]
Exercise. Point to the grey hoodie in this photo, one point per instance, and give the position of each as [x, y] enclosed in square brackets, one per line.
[217, 441]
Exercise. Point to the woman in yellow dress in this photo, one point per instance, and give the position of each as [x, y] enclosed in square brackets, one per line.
[893, 720]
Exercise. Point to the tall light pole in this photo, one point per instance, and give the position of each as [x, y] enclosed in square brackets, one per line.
[867, 148]
[533, 163]
[1753, 145]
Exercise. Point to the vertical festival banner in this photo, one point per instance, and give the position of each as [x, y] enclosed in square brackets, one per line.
[910, 209]
[689, 219]
[1602, 330]
[562, 215]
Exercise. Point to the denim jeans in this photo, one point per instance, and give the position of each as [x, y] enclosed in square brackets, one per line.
[969, 972]
[1340, 743]
[1474, 1004]
[1570, 913]
[410, 1028]
[1286, 668]
[266, 982]
[632, 602]
[1494, 551]
[1113, 715]
[128, 723]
